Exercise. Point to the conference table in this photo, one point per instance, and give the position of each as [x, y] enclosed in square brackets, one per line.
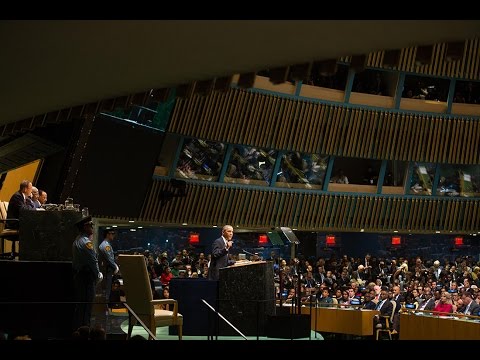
[352, 321]
[438, 327]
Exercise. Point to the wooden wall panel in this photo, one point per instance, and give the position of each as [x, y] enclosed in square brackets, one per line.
[213, 204]
[263, 120]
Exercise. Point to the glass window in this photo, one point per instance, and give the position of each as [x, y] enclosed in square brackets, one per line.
[302, 170]
[467, 92]
[200, 159]
[425, 88]
[422, 178]
[337, 80]
[459, 180]
[249, 165]
[395, 173]
[375, 82]
[355, 171]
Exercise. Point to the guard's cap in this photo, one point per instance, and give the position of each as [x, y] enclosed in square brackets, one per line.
[83, 221]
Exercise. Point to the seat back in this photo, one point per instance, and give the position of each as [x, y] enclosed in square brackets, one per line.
[3, 209]
[388, 322]
[136, 283]
[394, 303]
[3, 213]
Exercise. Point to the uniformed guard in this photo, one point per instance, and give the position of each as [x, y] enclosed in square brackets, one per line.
[86, 273]
[107, 260]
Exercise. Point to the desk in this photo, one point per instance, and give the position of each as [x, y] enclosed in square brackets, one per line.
[47, 235]
[427, 327]
[341, 321]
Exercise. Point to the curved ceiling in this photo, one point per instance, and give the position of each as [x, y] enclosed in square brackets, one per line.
[50, 65]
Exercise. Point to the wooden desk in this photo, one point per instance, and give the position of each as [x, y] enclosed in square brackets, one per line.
[427, 327]
[341, 321]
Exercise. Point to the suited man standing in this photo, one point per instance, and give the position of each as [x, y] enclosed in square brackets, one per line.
[220, 250]
[20, 200]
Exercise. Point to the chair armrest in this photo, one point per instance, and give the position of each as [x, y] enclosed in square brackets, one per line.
[12, 220]
[167, 301]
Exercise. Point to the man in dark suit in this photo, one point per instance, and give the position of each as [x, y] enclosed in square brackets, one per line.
[220, 250]
[20, 200]
[429, 302]
[471, 307]
[385, 307]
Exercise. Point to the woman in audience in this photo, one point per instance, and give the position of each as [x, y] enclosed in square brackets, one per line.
[445, 304]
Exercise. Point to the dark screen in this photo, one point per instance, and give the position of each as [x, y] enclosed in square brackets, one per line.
[116, 168]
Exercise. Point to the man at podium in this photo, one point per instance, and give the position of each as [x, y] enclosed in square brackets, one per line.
[220, 250]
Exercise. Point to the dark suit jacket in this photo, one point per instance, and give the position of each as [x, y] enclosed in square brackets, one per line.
[474, 308]
[386, 309]
[219, 258]
[16, 203]
[430, 304]
[399, 301]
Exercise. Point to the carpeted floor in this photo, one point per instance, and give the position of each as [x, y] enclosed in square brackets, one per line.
[162, 334]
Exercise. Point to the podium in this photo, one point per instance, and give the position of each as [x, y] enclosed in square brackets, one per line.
[47, 235]
[246, 297]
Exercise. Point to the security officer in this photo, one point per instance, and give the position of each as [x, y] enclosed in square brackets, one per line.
[85, 272]
[107, 260]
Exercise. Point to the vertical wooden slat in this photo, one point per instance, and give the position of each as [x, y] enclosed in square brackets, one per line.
[321, 215]
[294, 125]
[284, 108]
[323, 122]
[305, 132]
[311, 134]
[476, 143]
[272, 122]
[351, 132]
[172, 124]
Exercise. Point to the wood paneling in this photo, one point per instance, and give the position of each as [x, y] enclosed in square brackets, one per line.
[269, 121]
[209, 204]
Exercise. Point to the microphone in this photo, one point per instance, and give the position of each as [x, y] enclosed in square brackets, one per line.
[248, 252]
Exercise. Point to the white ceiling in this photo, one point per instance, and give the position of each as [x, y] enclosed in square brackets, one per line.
[50, 65]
